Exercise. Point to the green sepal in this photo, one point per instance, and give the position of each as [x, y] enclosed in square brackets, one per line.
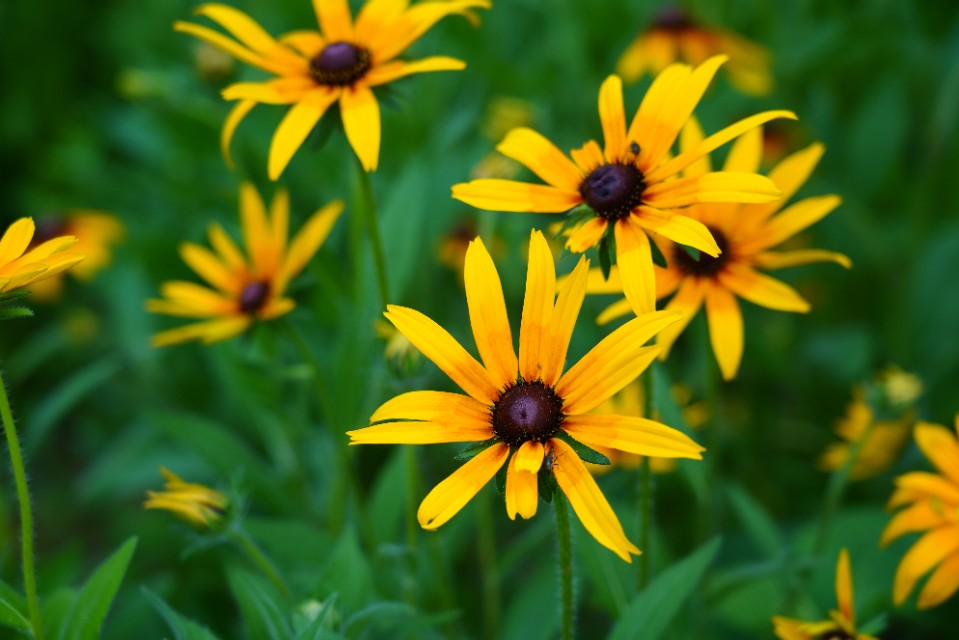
[693, 252]
[546, 483]
[658, 257]
[575, 217]
[501, 479]
[585, 453]
[474, 450]
[16, 294]
[605, 262]
[8, 313]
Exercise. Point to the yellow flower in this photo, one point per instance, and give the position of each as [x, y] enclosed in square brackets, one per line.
[196, 503]
[841, 626]
[527, 419]
[675, 36]
[630, 186]
[745, 234]
[342, 63]
[399, 349]
[20, 267]
[95, 231]
[930, 504]
[244, 289]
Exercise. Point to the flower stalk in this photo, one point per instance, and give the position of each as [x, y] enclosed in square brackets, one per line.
[565, 566]
[367, 207]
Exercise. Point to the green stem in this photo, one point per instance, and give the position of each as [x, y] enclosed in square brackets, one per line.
[486, 541]
[257, 557]
[367, 205]
[709, 517]
[646, 486]
[565, 540]
[26, 513]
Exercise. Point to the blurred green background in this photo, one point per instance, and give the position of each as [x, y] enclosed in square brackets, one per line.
[105, 107]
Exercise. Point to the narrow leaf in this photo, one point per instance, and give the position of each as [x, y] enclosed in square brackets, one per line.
[182, 627]
[85, 618]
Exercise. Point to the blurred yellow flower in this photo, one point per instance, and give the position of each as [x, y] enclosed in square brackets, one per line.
[675, 36]
[21, 267]
[629, 188]
[96, 232]
[746, 234]
[526, 421]
[342, 62]
[245, 289]
[842, 622]
[504, 114]
[195, 503]
[928, 503]
[399, 349]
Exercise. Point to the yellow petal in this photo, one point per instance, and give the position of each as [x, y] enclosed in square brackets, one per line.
[787, 629]
[587, 235]
[232, 121]
[762, 290]
[940, 586]
[940, 447]
[229, 253]
[844, 592]
[295, 127]
[439, 346]
[308, 42]
[789, 175]
[432, 405]
[448, 497]
[529, 456]
[279, 222]
[208, 267]
[635, 260]
[632, 435]
[562, 320]
[507, 195]
[335, 19]
[234, 48]
[718, 186]
[541, 156]
[588, 501]
[422, 432]
[725, 329]
[210, 331]
[678, 228]
[917, 517]
[791, 221]
[376, 16]
[588, 157]
[241, 26]
[597, 283]
[746, 153]
[691, 135]
[614, 311]
[686, 302]
[417, 21]
[613, 118]
[361, 121]
[929, 550]
[784, 259]
[256, 231]
[397, 69]
[930, 485]
[647, 128]
[522, 489]
[487, 309]
[285, 90]
[537, 307]
[307, 242]
[15, 240]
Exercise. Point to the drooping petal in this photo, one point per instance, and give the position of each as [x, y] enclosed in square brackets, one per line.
[233, 120]
[361, 121]
[725, 329]
[613, 118]
[760, 289]
[686, 302]
[487, 309]
[493, 194]
[718, 186]
[208, 332]
[246, 30]
[295, 127]
[678, 228]
[285, 90]
[307, 242]
[941, 448]
[635, 260]
[941, 585]
[562, 320]
[587, 235]
[448, 497]
[929, 550]
[522, 490]
[616, 310]
[446, 353]
[529, 456]
[784, 259]
[844, 591]
[335, 19]
[541, 156]
[632, 435]
[537, 307]
[423, 432]
[588, 501]
[397, 69]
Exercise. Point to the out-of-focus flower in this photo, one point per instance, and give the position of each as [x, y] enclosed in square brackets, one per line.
[196, 503]
[245, 289]
[842, 622]
[341, 63]
[746, 234]
[399, 350]
[630, 188]
[899, 388]
[505, 114]
[526, 421]
[21, 266]
[675, 36]
[928, 503]
[96, 233]
[214, 65]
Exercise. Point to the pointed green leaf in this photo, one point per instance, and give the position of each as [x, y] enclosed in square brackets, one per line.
[182, 627]
[265, 613]
[13, 608]
[86, 615]
[472, 451]
[756, 520]
[585, 453]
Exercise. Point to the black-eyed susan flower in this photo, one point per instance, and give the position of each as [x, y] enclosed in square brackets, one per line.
[524, 409]
[21, 266]
[842, 622]
[244, 289]
[928, 503]
[630, 187]
[195, 503]
[95, 231]
[747, 235]
[674, 36]
[341, 63]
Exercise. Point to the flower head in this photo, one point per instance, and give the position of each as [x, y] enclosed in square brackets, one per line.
[341, 63]
[842, 622]
[195, 503]
[675, 35]
[528, 414]
[928, 503]
[244, 289]
[747, 235]
[630, 186]
[21, 267]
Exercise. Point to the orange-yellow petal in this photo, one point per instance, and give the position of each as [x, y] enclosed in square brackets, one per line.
[940, 447]
[541, 156]
[493, 194]
[929, 550]
[522, 490]
[537, 307]
[307, 242]
[613, 118]
[397, 69]
[725, 329]
[295, 127]
[587, 235]
[844, 590]
[487, 309]
[635, 260]
[448, 497]
[761, 289]
[941, 585]
[562, 320]
[632, 435]
[687, 301]
[361, 121]
[335, 19]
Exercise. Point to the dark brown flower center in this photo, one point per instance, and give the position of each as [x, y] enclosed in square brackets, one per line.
[340, 63]
[613, 190]
[254, 296]
[527, 411]
[836, 634]
[672, 18]
[704, 266]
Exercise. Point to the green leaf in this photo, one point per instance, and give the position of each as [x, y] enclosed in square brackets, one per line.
[261, 606]
[651, 611]
[605, 262]
[546, 483]
[575, 217]
[472, 451]
[585, 453]
[316, 620]
[757, 522]
[692, 251]
[182, 627]
[13, 608]
[10, 313]
[86, 615]
[658, 257]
